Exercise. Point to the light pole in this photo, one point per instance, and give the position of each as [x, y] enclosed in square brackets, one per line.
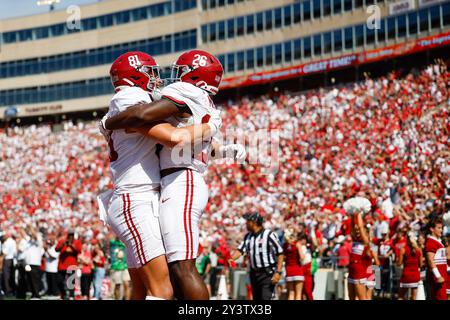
[50, 3]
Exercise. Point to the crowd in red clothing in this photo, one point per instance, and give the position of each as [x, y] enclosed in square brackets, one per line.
[385, 138]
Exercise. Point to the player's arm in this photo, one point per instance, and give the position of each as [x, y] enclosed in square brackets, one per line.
[434, 269]
[170, 136]
[143, 115]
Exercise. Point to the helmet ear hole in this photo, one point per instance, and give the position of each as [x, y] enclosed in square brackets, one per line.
[194, 78]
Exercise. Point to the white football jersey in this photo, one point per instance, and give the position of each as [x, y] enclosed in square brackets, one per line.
[133, 159]
[202, 107]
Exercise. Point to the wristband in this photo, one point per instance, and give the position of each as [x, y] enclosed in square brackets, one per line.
[436, 273]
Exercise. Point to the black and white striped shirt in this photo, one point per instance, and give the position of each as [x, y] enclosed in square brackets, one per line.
[262, 248]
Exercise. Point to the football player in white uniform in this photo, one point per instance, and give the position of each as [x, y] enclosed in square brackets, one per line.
[133, 207]
[196, 76]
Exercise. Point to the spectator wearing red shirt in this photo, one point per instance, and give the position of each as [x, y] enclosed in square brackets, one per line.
[344, 252]
[69, 249]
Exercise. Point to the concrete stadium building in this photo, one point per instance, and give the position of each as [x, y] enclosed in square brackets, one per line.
[58, 63]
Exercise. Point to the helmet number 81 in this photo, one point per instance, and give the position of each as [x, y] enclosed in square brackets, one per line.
[134, 61]
[199, 61]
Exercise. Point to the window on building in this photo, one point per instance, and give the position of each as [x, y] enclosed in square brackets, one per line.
[212, 31]
[435, 17]
[446, 13]
[317, 44]
[106, 21]
[250, 24]
[288, 51]
[298, 48]
[348, 38]
[316, 8]
[205, 5]
[260, 21]
[240, 26]
[278, 18]
[348, 5]
[424, 25]
[240, 60]
[269, 19]
[230, 28]
[358, 3]
[401, 26]
[337, 6]
[221, 30]
[327, 42]
[231, 63]
[287, 15]
[359, 35]
[412, 23]
[370, 34]
[297, 15]
[381, 31]
[326, 7]
[250, 56]
[42, 33]
[269, 55]
[205, 33]
[337, 40]
[307, 47]
[278, 53]
[391, 28]
[306, 10]
[260, 57]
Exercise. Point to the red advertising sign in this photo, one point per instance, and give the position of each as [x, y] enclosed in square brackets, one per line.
[396, 50]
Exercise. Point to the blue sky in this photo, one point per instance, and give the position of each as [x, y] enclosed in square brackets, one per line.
[19, 8]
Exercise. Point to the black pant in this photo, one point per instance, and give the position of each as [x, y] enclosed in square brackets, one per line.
[34, 281]
[66, 283]
[8, 276]
[52, 284]
[85, 284]
[22, 283]
[261, 280]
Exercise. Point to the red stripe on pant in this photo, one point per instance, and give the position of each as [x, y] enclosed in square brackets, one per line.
[189, 215]
[141, 245]
[186, 204]
[126, 209]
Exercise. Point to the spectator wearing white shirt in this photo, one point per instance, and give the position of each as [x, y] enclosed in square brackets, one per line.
[33, 260]
[9, 250]
[51, 267]
[22, 245]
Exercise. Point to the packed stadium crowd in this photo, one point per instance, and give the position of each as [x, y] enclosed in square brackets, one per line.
[385, 139]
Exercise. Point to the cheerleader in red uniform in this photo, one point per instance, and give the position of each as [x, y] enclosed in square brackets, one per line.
[436, 257]
[357, 268]
[306, 259]
[410, 256]
[294, 271]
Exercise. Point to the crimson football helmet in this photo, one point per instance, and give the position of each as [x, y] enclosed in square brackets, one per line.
[135, 69]
[199, 68]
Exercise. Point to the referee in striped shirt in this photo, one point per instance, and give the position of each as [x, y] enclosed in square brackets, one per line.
[265, 254]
